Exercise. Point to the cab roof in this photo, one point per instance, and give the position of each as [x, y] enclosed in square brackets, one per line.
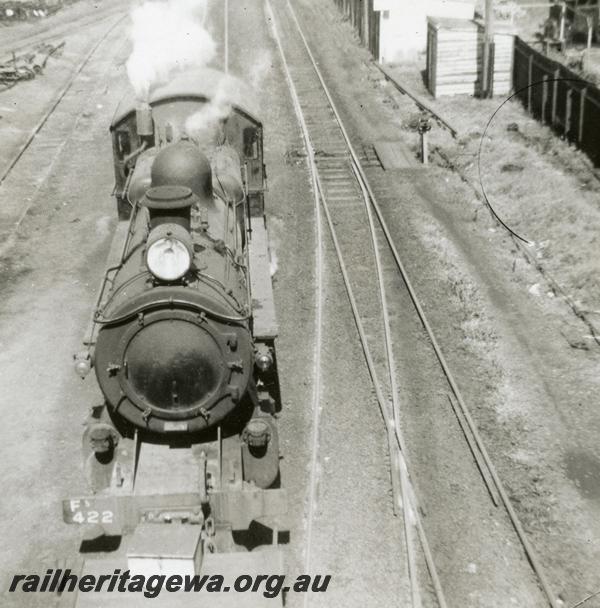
[195, 83]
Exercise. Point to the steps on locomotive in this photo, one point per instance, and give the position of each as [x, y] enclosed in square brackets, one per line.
[263, 302]
[228, 565]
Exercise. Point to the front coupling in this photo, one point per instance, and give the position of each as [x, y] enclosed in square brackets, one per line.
[102, 438]
[257, 433]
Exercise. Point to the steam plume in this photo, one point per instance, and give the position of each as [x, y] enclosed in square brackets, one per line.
[204, 125]
[167, 36]
[260, 69]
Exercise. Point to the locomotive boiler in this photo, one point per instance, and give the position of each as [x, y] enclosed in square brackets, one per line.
[182, 339]
[175, 352]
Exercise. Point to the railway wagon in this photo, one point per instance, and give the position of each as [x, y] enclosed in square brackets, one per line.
[582, 19]
[181, 460]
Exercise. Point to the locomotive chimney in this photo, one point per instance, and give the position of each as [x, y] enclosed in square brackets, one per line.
[169, 205]
[144, 122]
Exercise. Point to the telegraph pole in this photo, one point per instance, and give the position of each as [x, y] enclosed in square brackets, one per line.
[226, 37]
[366, 32]
[487, 76]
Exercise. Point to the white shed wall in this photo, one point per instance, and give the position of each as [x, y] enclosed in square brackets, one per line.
[403, 34]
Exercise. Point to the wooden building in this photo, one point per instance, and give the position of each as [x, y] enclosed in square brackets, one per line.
[403, 25]
[403, 30]
[455, 57]
[396, 30]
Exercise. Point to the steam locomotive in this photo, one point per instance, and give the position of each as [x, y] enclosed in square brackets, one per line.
[183, 453]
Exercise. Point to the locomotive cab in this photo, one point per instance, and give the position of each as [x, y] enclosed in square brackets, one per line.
[185, 108]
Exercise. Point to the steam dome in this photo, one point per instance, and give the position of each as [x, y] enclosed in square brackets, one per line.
[182, 164]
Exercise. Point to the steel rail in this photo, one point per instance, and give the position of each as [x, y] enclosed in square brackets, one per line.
[515, 521]
[395, 441]
[419, 102]
[39, 126]
[356, 161]
[391, 364]
[392, 431]
[316, 409]
[483, 470]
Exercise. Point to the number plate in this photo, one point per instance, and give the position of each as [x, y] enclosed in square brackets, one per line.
[95, 510]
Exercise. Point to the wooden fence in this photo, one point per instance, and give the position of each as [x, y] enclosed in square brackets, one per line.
[365, 21]
[559, 98]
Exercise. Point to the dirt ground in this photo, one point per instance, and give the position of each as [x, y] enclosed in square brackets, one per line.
[523, 360]
[516, 156]
[51, 262]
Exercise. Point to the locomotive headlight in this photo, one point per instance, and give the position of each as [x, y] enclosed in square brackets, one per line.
[83, 364]
[169, 252]
[263, 357]
[168, 259]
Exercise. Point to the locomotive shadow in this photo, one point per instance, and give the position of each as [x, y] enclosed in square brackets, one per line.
[260, 535]
[101, 544]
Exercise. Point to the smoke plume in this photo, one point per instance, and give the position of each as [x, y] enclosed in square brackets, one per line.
[260, 70]
[205, 124]
[167, 36]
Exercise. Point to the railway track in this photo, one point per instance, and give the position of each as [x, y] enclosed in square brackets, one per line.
[339, 188]
[54, 104]
[56, 101]
[53, 32]
[16, 208]
[370, 263]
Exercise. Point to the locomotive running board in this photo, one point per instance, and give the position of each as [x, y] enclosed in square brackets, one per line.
[263, 303]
